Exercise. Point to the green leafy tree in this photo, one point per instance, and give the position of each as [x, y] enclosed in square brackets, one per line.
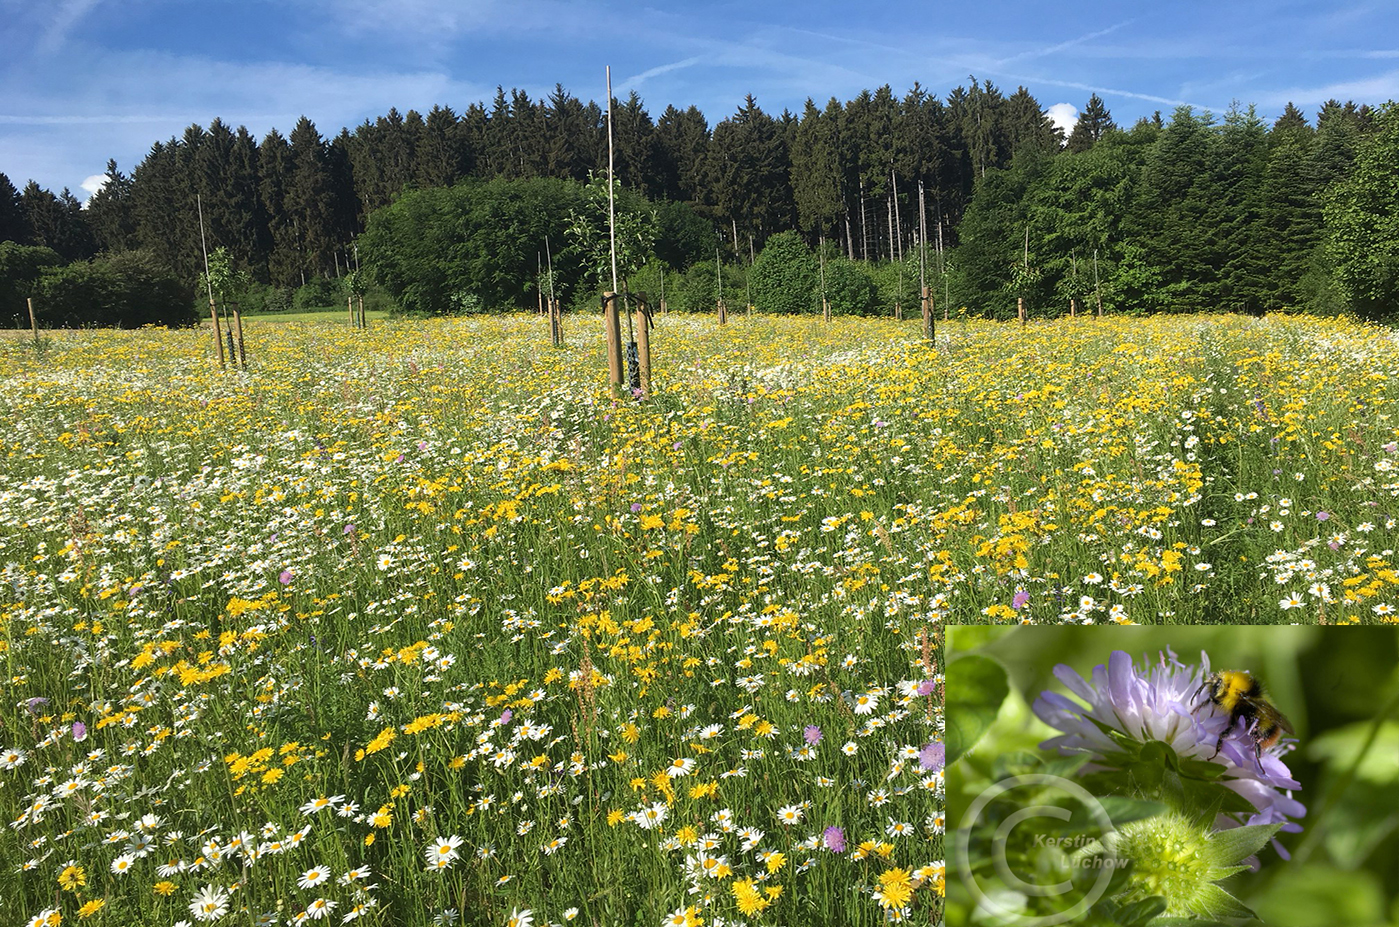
[591, 239]
[1362, 223]
[126, 289]
[785, 278]
[21, 268]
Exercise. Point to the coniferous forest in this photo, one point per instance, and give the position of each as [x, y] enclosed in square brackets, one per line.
[1185, 212]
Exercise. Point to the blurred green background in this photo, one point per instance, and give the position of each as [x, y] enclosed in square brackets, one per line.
[1333, 683]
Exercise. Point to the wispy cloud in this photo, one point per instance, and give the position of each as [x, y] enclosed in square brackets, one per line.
[1062, 46]
[636, 80]
[66, 15]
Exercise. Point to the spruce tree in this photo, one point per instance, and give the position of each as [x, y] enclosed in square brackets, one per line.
[13, 226]
[110, 212]
[1093, 123]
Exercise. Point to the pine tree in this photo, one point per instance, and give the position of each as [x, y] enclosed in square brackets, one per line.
[440, 161]
[816, 174]
[682, 140]
[1231, 225]
[634, 141]
[748, 172]
[13, 226]
[1026, 125]
[1093, 123]
[110, 212]
[274, 179]
[1291, 120]
[57, 222]
[310, 200]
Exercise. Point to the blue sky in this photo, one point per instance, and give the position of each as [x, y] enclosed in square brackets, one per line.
[85, 80]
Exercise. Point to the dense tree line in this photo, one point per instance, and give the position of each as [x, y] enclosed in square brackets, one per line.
[1186, 216]
[1183, 215]
[287, 206]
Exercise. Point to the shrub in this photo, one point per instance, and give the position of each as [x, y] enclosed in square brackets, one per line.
[126, 289]
[21, 266]
[318, 293]
[785, 276]
[849, 288]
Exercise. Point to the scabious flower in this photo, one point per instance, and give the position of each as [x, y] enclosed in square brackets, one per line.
[835, 839]
[1161, 702]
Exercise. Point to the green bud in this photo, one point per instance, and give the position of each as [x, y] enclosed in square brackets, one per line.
[1182, 861]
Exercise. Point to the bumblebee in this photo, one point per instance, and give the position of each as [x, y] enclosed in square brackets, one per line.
[1239, 695]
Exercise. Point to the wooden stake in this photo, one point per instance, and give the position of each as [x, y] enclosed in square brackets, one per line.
[238, 327]
[611, 195]
[612, 331]
[218, 335]
[1020, 308]
[363, 316]
[1096, 290]
[209, 284]
[33, 324]
[928, 332]
[643, 351]
[350, 305]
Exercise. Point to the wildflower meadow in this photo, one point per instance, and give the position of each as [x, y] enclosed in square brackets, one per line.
[423, 625]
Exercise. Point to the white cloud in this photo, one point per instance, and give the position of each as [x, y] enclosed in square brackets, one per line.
[65, 123]
[94, 183]
[1063, 115]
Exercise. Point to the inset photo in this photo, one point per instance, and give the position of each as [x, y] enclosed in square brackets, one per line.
[1184, 776]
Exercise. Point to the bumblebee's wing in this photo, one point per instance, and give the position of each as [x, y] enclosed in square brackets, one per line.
[1266, 709]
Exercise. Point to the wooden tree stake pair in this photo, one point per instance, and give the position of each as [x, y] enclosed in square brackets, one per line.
[612, 332]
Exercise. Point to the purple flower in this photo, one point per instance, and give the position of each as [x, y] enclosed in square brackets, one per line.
[932, 757]
[926, 688]
[34, 704]
[285, 577]
[506, 715]
[349, 529]
[635, 507]
[1020, 599]
[79, 732]
[1161, 702]
[835, 839]
[812, 733]
[1322, 516]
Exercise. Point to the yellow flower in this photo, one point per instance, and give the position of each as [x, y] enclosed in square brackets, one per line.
[748, 898]
[72, 878]
[165, 887]
[91, 908]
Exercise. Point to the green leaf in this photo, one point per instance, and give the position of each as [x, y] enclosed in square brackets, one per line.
[1222, 904]
[1122, 810]
[976, 687]
[1139, 912]
[1228, 847]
